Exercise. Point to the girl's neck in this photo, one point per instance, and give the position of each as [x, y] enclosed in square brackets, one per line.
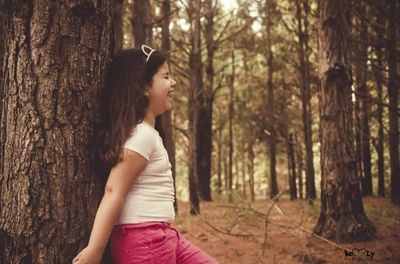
[150, 119]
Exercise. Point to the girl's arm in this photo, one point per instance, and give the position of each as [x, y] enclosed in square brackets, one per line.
[120, 180]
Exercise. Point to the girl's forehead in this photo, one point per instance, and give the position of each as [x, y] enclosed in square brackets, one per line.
[164, 67]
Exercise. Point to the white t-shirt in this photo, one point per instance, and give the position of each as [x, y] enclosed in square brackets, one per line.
[151, 197]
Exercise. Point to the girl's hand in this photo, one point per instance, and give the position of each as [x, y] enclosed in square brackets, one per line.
[88, 255]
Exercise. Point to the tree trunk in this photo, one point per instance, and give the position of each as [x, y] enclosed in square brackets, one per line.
[291, 169]
[219, 162]
[393, 103]
[342, 217]
[379, 87]
[273, 185]
[299, 157]
[164, 122]
[230, 135]
[205, 111]
[118, 7]
[2, 40]
[250, 168]
[141, 23]
[56, 54]
[363, 98]
[196, 85]
[305, 97]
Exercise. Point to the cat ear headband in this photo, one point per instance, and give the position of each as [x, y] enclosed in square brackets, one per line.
[147, 51]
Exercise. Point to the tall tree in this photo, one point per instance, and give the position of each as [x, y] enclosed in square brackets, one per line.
[141, 22]
[342, 216]
[393, 88]
[379, 86]
[273, 185]
[165, 121]
[204, 126]
[363, 96]
[230, 127]
[196, 84]
[55, 56]
[304, 69]
[118, 7]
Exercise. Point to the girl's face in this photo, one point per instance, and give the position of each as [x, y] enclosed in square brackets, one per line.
[160, 91]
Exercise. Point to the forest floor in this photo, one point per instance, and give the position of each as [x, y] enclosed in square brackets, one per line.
[235, 233]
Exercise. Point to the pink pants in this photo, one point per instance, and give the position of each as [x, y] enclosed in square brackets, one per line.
[154, 243]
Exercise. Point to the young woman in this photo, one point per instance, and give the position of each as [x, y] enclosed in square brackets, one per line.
[137, 207]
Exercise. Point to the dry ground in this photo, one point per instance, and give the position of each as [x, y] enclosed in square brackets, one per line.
[234, 233]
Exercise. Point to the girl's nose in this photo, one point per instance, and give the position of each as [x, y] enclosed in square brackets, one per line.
[173, 82]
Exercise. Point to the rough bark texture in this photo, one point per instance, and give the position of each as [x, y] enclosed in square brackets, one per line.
[196, 85]
[204, 143]
[305, 96]
[342, 217]
[393, 103]
[56, 52]
[141, 22]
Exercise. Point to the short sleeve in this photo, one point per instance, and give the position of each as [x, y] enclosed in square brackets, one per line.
[141, 141]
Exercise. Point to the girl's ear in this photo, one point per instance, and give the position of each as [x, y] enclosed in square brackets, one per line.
[146, 92]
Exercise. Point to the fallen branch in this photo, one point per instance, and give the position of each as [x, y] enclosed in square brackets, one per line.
[274, 201]
[227, 232]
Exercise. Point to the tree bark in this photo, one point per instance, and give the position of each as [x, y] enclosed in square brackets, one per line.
[250, 168]
[273, 185]
[196, 84]
[118, 7]
[305, 97]
[379, 86]
[393, 102]
[363, 98]
[219, 162]
[291, 168]
[205, 109]
[230, 127]
[55, 57]
[141, 23]
[342, 216]
[165, 120]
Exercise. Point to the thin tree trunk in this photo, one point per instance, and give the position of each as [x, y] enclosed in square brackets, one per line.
[250, 168]
[305, 97]
[379, 87]
[141, 23]
[342, 217]
[292, 168]
[118, 7]
[393, 103]
[362, 91]
[273, 185]
[299, 157]
[230, 135]
[205, 111]
[56, 53]
[196, 85]
[219, 162]
[165, 120]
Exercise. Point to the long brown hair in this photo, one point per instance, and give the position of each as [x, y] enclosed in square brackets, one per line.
[123, 102]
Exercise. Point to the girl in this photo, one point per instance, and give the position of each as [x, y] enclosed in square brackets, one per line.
[137, 207]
